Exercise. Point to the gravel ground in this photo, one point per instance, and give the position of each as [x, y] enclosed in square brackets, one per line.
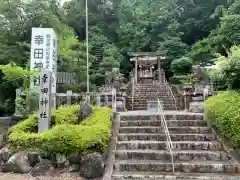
[60, 176]
[63, 176]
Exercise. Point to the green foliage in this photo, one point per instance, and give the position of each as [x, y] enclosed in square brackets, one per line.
[221, 38]
[229, 68]
[182, 66]
[14, 73]
[202, 53]
[65, 136]
[223, 111]
[66, 114]
[182, 79]
[173, 26]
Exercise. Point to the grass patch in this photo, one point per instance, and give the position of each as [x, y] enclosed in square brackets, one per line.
[65, 136]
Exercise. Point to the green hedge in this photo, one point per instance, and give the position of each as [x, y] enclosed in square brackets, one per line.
[224, 113]
[91, 135]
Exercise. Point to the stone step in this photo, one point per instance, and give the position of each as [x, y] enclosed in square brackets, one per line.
[165, 155]
[141, 104]
[169, 123]
[189, 129]
[155, 129]
[152, 93]
[142, 129]
[180, 166]
[177, 145]
[162, 137]
[167, 117]
[137, 95]
[131, 175]
[137, 108]
[145, 104]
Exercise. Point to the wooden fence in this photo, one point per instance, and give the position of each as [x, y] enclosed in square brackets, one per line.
[66, 78]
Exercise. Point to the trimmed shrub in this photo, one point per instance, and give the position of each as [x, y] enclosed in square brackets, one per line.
[66, 114]
[224, 113]
[91, 135]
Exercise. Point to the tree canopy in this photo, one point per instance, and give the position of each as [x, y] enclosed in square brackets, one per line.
[195, 29]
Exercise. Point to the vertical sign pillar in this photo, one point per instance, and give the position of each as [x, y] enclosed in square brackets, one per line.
[44, 46]
[45, 100]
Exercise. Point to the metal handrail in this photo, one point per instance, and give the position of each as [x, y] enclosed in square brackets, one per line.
[164, 125]
[169, 89]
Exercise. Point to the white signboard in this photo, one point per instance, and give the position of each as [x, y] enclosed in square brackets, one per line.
[44, 48]
[45, 100]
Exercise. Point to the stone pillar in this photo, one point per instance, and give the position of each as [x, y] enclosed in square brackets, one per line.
[69, 97]
[159, 71]
[106, 99]
[136, 69]
[124, 101]
[18, 95]
[114, 100]
[151, 70]
[88, 98]
[98, 100]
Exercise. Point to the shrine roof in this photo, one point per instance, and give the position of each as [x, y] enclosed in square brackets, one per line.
[136, 54]
[146, 56]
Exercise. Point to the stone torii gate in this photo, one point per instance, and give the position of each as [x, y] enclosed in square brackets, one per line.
[147, 66]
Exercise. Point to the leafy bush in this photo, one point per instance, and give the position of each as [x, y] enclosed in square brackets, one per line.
[182, 79]
[224, 113]
[182, 66]
[90, 135]
[229, 68]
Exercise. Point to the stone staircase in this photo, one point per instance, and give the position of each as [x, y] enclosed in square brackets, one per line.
[150, 92]
[97, 51]
[142, 153]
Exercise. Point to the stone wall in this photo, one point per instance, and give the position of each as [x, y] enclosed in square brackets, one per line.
[37, 163]
[89, 166]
